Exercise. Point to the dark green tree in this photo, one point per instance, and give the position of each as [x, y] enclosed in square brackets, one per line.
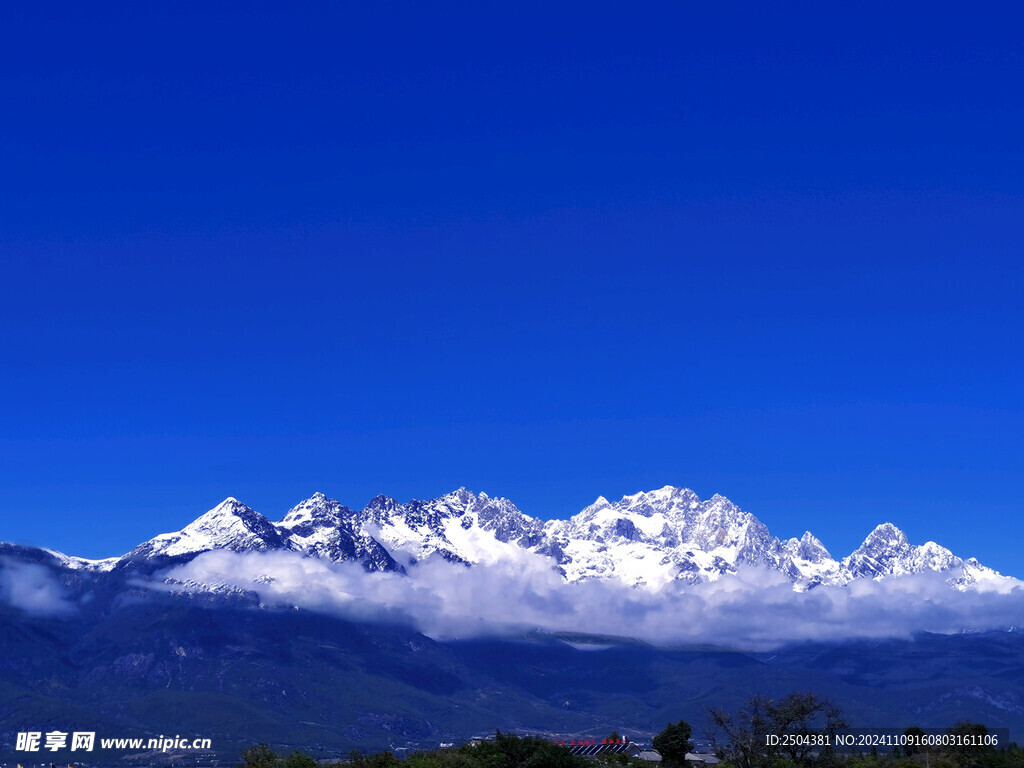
[261, 756]
[511, 751]
[376, 760]
[974, 751]
[462, 757]
[673, 743]
[807, 716]
[299, 759]
[740, 737]
[912, 734]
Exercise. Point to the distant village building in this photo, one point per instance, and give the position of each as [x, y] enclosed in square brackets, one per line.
[700, 759]
[595, 747]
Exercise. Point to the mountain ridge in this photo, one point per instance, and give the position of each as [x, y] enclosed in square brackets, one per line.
[646, 540]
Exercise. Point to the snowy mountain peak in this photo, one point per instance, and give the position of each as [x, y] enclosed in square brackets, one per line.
[655, 496]
[808, 548]
[459, 496]
[379, 511]
[933, 557]
[230, 525]
[316, 511]
[646, 539]
[654, 537]
[668, 495]
[811, 547]
[885, 536]
[666, 503]
[454, 502]
[234, 520]
[461, 527]
[325, 528]
[887, 552]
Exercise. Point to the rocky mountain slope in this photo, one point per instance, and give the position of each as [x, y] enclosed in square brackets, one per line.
[299, 680]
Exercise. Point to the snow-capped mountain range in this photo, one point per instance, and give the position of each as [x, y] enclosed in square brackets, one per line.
[647, 540]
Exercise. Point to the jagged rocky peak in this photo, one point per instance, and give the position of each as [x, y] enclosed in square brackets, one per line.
[656, 537]
[230, 525]
[634, 516]
[672, 517]
[718, 524]
[380, 508]
[809, 548]
[884, 552]
[311, 507]
[463, 502]
[668, 499]
[885, 538]
[505, 520]
[451, 504]
[887, 552]
[233, 523]
[488, 512]
[437, 524]
[461, 497]
[808, 563]
[718, 510]
[230, 506]
[314, 513]
[326, 528]
[414, 531]
[935, 557]
[643, 503]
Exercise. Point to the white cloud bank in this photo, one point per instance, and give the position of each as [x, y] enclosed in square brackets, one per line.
[33, 588]
[757, 608]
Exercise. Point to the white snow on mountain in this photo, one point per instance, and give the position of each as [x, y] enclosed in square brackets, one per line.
[230, 525]
[980, 577]
[84, 564]
[653, 538]
[886, 552]
[322, 527]
[459, 527]
[647, 540]
[808, 562]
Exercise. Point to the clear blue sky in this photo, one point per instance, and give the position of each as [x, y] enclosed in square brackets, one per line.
[547, 251]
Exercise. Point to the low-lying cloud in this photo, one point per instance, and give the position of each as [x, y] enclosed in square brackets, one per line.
[756, 608]
[33, 588]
